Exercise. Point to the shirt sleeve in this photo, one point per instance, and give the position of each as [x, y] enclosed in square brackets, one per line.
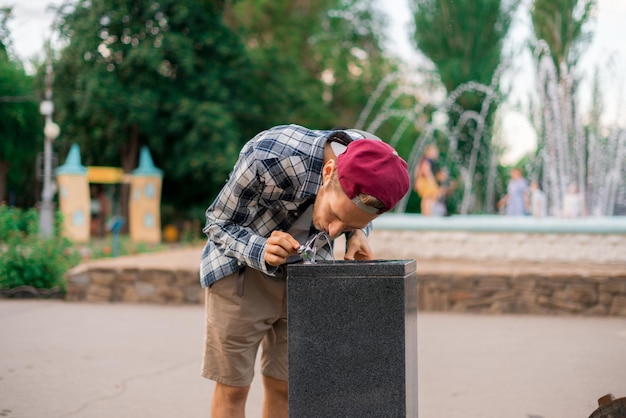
[236, 207]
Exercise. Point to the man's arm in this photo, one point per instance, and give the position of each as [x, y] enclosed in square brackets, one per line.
[236, 207]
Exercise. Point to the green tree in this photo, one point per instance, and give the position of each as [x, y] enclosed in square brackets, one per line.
[193, 85]
[20, 124]
[564, 26]
[464, 40]
[166, 74]
[318, 60]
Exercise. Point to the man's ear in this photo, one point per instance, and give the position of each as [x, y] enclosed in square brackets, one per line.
[327, 171]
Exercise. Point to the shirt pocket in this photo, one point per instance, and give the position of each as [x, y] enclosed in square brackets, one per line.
[282, 180]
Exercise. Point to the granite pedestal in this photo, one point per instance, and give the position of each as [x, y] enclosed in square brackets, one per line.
[352, 339]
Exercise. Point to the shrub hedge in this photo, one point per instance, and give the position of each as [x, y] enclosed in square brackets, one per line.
[26, 258]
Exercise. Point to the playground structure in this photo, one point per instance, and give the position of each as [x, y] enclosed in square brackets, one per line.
[75, 198]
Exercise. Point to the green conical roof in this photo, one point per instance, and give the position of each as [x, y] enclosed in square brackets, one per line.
[146, 166]
[72, 163]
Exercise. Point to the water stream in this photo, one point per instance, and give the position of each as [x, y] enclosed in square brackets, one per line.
[308, 251]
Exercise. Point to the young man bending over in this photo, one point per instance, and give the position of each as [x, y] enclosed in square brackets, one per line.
[288, 183]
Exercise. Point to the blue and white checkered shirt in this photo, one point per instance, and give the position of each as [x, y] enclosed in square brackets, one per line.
[278, 172]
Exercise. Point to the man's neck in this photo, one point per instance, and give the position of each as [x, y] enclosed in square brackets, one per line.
[329, 154]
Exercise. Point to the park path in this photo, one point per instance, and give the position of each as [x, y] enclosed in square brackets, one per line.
[62, 359]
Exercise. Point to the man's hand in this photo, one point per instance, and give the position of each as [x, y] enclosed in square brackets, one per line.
[279, 246]
[358, 247]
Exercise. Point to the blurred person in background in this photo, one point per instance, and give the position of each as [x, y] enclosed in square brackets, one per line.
[517, 197]
[425, 180]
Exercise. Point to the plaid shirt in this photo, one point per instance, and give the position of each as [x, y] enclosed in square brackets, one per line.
[278, 172]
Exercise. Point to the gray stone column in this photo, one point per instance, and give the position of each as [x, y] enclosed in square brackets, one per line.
[352, 339]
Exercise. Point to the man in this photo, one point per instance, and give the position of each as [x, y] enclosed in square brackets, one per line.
[288, 183]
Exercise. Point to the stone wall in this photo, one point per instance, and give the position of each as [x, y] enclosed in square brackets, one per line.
[537, 273]
[523, 293]
[134, 285]
[457, 271]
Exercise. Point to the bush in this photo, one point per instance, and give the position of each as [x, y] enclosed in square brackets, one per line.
[28, 259]
[14, 221]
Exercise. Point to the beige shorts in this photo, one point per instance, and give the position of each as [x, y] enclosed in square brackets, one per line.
[236, 325]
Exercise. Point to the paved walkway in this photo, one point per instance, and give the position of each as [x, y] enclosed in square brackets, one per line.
[65, 359]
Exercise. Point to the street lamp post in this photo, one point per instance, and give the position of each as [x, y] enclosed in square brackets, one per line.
[51, 132]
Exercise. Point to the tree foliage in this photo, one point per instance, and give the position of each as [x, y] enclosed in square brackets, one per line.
[563, 25]
[463, 38]
[318, 60]
[20, 124]
[193, 80]
[167, 74]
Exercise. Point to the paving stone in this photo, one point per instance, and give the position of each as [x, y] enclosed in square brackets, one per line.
[98, 293]
[128, 275]
[103, 277]
[158, 277]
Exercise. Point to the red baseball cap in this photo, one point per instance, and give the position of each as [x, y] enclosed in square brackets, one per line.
[374, 168]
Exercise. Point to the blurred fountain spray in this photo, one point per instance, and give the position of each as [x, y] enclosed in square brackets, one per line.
[381, 109]
[567, 152]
